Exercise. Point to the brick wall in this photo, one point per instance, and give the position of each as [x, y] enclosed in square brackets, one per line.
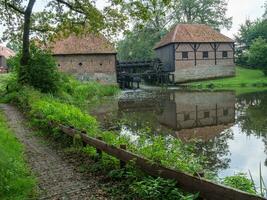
[186, 70]
[89, 67]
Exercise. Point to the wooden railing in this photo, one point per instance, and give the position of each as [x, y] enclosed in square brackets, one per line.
[207, 189]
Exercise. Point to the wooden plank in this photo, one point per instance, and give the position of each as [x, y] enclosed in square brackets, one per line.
[207, 189]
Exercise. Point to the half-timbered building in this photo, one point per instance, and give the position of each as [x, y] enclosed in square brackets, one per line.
[195, 52]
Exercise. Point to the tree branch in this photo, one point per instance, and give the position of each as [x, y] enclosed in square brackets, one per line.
[19, 10]
[70, 6]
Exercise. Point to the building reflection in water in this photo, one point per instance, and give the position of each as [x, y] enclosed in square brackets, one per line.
[201, 117]
[199, 114]
[188, 114]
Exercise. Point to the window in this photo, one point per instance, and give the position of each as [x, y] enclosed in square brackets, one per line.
[206, 114]
[184, 55]
[186, 116]
[205, 54]
[225, 112]
[224, 54]
[80, 64]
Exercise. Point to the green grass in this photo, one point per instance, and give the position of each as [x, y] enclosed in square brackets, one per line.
[3, 80]
[16, 183]
[246, 80]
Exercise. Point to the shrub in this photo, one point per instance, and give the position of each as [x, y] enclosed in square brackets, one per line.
[41, 72]
[257, 54]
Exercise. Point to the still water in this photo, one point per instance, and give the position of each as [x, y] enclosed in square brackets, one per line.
[229, 129]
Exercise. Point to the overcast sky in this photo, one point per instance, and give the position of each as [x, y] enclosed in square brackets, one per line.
[240, 10]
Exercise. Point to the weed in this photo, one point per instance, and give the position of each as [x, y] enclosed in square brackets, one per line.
[240, 181]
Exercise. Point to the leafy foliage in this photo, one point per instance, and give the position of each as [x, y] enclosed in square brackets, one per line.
[41, 71]
[250, 31]
[248, 34]
[158, 188]
[257, 54]
[212, 12]
[241, 182]
[134, 184]
[59, 16]
[138, 44]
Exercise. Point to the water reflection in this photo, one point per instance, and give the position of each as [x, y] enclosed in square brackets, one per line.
[229, 130]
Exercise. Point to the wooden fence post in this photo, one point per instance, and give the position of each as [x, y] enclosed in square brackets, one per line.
[122, 163]
[84, 143]
[98, 151]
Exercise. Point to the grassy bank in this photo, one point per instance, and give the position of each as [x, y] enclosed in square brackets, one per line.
[245, 80]
[16, 183]
[68, 107]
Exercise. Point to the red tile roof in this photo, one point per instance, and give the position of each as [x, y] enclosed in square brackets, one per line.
[192, 33]
[6, 52]
[86, 44]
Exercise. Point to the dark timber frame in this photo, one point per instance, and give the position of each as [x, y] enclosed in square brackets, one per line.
[215, 47]
[195, 47]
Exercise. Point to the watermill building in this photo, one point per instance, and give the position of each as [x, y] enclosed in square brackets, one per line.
[196, 52]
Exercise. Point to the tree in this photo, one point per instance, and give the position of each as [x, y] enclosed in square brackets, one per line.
[138, 44]
[250, 31]
[257, 54]
[210, 12]
[59, 16]
[153, 14]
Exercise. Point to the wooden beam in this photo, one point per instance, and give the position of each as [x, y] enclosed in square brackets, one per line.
[195, 47]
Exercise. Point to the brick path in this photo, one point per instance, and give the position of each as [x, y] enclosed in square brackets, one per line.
[57, 178]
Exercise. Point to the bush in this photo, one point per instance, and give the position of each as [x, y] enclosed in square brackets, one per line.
[257, 54]
[41, 72]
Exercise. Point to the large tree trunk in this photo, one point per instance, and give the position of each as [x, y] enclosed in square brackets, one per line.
[26, 42]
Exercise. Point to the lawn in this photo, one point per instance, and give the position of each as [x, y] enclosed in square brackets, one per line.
[246, 79]
[16, 182]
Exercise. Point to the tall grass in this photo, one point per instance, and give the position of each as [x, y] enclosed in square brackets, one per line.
[16, 183]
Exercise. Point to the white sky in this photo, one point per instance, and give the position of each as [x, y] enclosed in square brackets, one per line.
[240, 10]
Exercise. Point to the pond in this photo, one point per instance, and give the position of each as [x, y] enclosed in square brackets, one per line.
[230, 130]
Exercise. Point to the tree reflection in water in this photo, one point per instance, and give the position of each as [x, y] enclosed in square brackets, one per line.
[254, 121]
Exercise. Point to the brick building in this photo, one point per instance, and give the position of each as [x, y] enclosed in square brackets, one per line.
[89, 57]
[4, 54]
[195, 52]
